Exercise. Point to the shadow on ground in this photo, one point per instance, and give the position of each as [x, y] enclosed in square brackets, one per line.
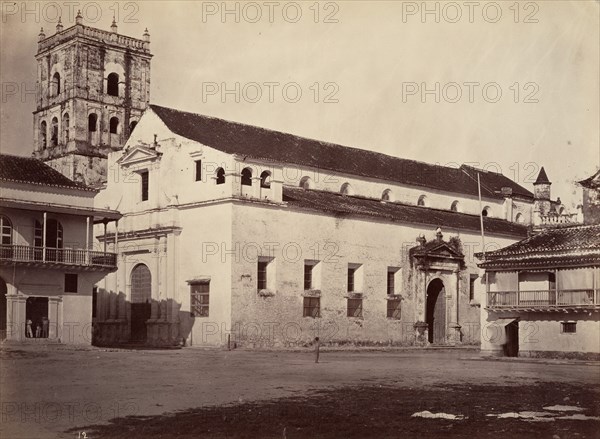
[376, 411]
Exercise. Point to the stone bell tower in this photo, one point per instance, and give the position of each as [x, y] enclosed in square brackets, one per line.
[92, 87]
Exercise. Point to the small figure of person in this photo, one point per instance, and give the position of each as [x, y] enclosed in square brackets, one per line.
[45, 325]
[28, 330]
[38, 330]
[317, 344]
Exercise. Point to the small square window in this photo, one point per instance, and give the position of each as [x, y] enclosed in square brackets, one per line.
[354, 308]
[394, 309]
[70, 283]
[312, 307]
[568, 327]
[198, 170]
[199, 299]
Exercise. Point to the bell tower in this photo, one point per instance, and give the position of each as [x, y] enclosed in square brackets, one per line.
[92, 87]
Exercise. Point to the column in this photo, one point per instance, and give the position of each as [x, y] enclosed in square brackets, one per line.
[15, 314]
[455, 327]
[55, 329]
[421, 327]
[44, 237]
[87, 240]
[165, 315]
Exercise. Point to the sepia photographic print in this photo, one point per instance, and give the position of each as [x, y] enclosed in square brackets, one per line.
[300, 219]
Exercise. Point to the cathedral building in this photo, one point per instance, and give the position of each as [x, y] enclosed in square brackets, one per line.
[238, 235]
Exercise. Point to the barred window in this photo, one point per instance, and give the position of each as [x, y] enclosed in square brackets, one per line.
[312, 307]
[351, 271]
[308, 269]
[145, 182]
[393, 309]
[568, 327]
[355, 308]
[391, 281]
[472, 280]
[199, 297]
[262, 275]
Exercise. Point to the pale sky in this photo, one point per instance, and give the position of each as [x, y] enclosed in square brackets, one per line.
[372, 59]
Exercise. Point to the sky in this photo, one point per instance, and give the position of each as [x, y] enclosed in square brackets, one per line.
[507, 86]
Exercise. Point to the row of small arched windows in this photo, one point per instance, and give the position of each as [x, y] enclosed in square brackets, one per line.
[92, 128]
[387, 195]
[246, 177]
[54, 131]
[112, 84]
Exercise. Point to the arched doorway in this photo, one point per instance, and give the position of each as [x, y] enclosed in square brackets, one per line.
[3, 308]
[141, 295]
[436, 311]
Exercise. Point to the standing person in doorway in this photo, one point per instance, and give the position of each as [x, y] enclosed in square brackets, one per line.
[38, 330]
[28, 330]
[317, 344]
[45, 324]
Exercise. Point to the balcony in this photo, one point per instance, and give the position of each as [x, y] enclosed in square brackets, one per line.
[58, 257]
[544, 300]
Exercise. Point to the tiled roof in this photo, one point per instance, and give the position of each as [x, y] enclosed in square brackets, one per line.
[555, 245]
[260, 143]
[33, 171]
[341, 205]
[592, 182]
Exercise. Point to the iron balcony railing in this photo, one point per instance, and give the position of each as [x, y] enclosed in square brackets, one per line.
[65, 256]
[543, 298]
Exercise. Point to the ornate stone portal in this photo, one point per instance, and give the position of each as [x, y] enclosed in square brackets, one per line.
[436, 267]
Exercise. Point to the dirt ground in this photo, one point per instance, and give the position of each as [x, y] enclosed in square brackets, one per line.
[59, 392]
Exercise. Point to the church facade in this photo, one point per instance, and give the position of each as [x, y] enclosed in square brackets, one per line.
[234, 234]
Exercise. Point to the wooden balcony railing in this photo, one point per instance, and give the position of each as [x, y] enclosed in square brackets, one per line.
[543, 298]
[65, 256]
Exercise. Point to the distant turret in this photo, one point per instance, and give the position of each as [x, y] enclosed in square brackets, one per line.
[541, 194]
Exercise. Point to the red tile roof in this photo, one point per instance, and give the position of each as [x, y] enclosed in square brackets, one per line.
[33, 171]
[260, 143]
[352, 206]
[571, 245]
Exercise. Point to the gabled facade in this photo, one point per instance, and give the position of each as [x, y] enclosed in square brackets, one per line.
[237, 234]
[49, 264]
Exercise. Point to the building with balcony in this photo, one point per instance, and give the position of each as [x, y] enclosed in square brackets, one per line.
[238, 234]
[49, 265]
[543, 295]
